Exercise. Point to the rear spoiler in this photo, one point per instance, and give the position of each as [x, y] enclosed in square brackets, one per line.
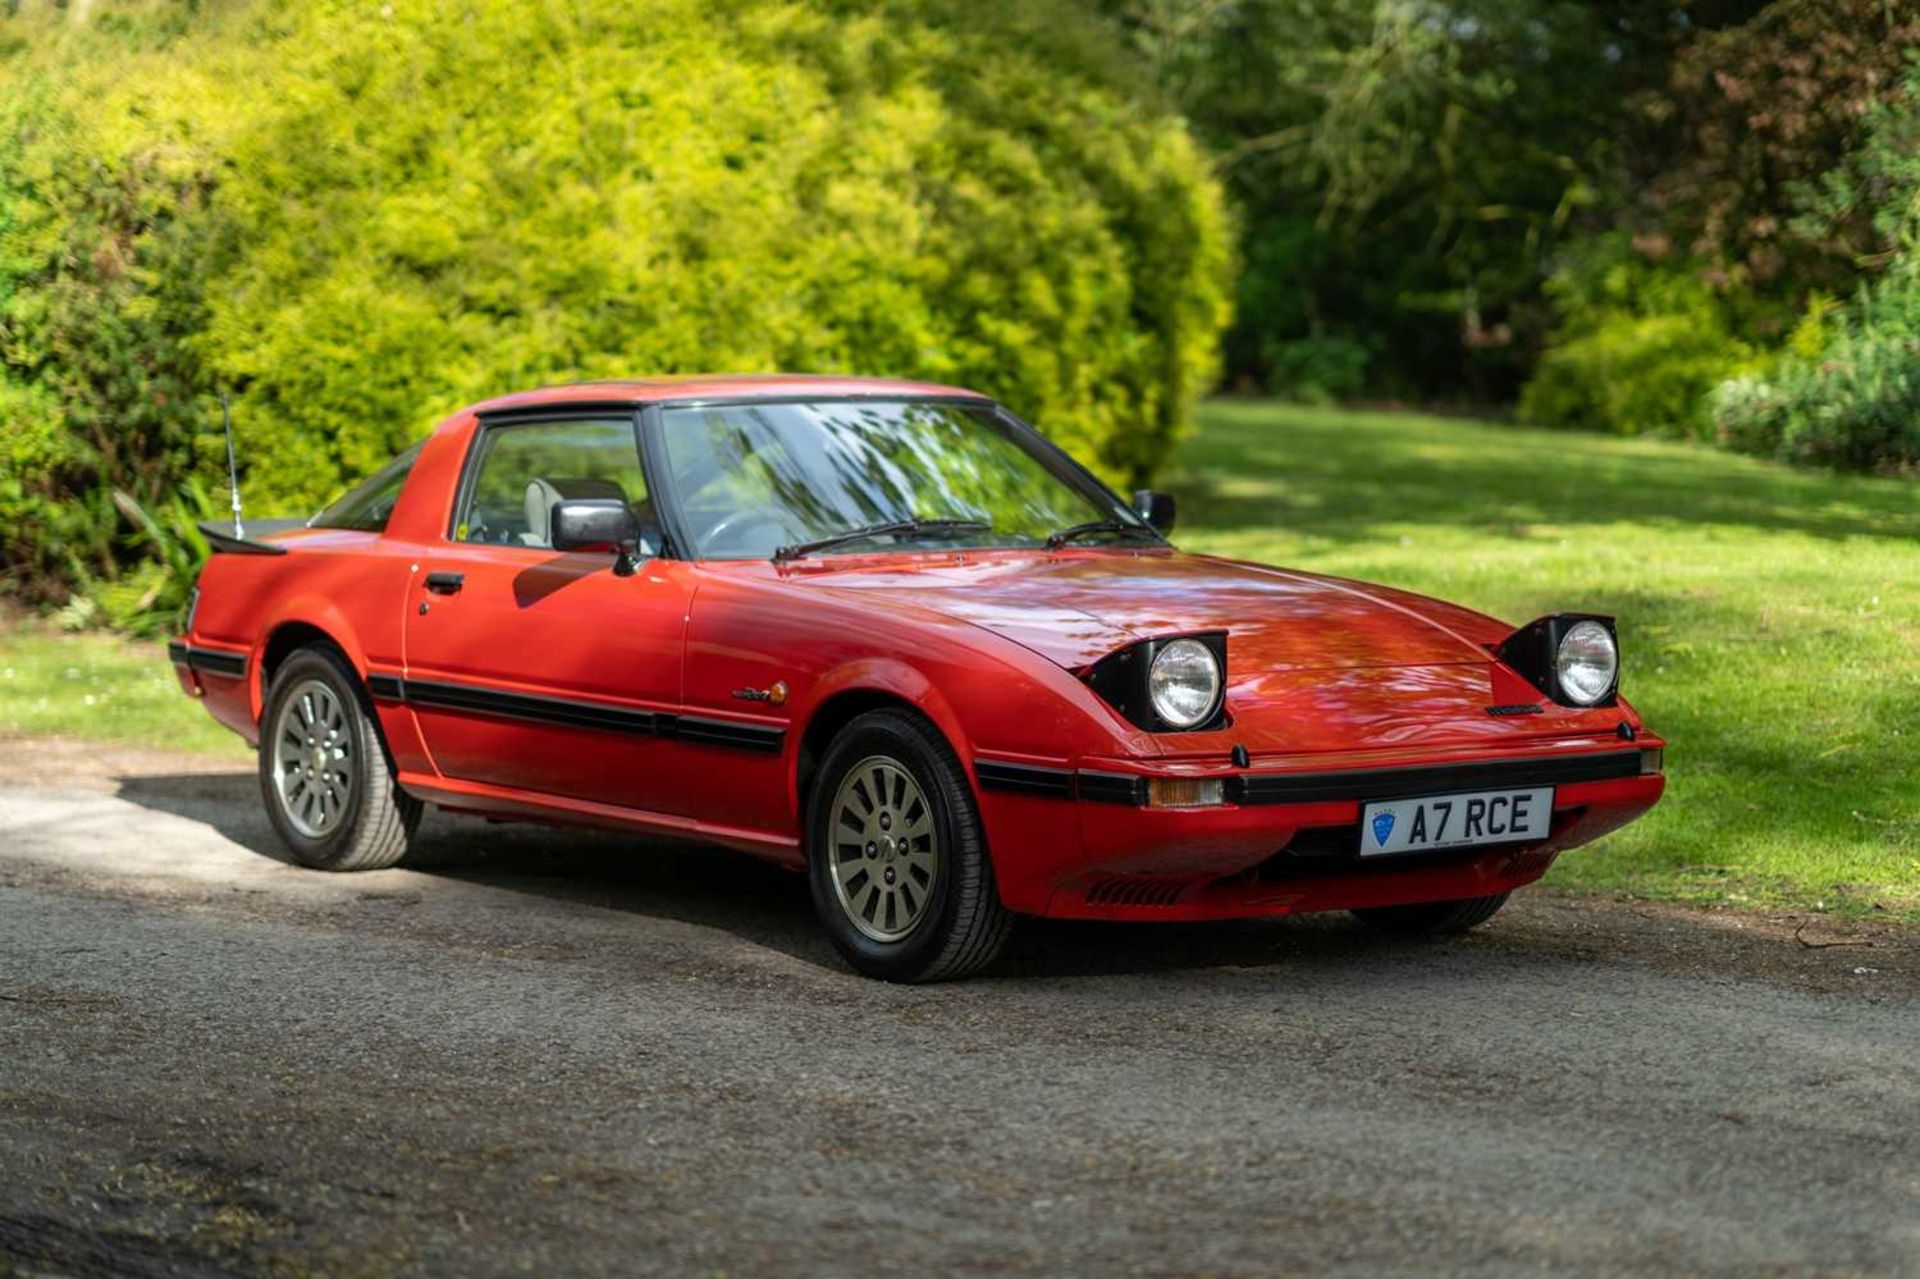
[220, 537]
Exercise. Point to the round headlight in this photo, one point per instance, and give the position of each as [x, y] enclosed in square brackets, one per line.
[1586, 663]
[1184, 683]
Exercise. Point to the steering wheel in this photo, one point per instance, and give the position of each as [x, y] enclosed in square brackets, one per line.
[729, 526]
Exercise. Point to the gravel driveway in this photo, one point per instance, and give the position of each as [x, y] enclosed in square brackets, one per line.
[554, 1053]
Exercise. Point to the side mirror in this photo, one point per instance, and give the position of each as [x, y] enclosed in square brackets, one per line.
[1156, 508]
[598, 524]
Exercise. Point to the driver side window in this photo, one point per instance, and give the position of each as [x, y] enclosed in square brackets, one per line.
[523, 469]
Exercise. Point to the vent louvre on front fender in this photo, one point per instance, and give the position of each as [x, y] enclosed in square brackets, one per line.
[1136, 890]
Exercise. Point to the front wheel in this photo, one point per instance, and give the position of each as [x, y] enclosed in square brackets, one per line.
[1432, 919]
[324, 772]
[896, 856]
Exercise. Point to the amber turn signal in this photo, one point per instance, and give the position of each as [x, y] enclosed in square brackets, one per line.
[1185, 792]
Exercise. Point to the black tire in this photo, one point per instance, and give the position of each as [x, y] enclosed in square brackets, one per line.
[371, 824]
[960, 925]
[1432, 919]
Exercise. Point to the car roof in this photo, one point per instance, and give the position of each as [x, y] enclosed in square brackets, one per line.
[719, 386]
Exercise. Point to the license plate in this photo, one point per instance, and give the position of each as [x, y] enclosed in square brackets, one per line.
[1455, 821]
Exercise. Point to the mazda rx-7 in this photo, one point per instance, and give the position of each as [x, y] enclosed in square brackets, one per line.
[888, 635]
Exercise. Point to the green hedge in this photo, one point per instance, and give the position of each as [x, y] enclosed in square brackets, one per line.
[360, 217]
[1640, 345]
[1845, 394]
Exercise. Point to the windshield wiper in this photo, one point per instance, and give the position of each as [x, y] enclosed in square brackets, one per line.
[911, 528]
[1057, 540]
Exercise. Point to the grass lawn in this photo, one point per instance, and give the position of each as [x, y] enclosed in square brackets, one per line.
[99, 686]
[1769, 618]
[1770, 622]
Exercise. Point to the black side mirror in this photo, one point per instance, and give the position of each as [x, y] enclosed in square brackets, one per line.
[598, 524]
[1156, 508]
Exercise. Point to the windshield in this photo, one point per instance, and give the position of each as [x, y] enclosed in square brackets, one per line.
[750, 480]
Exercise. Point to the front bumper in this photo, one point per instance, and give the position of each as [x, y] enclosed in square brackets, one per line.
[1082, 842]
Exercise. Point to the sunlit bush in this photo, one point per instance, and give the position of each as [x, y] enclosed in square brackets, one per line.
[359, 217]
[1853, 403]
[1640, 346]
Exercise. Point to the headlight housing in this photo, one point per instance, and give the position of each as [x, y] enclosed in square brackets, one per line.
[1183, 683]
[1586, 663]
[1573, 658]
[1172, 685]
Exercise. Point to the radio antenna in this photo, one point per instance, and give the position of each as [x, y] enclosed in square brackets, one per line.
[233, 470]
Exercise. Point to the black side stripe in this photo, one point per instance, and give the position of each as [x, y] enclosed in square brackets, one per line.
[528, 706]
[576, 714]
[724, 732]
[209, 661]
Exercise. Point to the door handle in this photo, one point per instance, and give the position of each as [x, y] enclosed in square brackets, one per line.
[446, 583]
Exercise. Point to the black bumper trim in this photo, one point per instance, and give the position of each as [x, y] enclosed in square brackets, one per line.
[1026, 779]
[1361, 784]
[1427, 779]
[208, 661]
[1113, 788]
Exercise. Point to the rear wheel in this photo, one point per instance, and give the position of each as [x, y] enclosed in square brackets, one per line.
[1431, 919]
[324, 772]
[896, 857]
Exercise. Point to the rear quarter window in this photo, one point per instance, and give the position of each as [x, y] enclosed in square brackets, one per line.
[368, 504]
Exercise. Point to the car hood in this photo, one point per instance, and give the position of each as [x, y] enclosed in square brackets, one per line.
[1075, 609]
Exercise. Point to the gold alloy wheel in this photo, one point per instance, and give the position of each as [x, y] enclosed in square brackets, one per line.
[885, 853]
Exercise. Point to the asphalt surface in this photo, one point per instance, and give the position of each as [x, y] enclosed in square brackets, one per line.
[562, 1054]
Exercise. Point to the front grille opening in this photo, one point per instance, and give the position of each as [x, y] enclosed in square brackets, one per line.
[1319, 842]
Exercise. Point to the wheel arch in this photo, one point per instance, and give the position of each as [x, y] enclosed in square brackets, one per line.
[284, 640]
[293, 630]
[852, 693]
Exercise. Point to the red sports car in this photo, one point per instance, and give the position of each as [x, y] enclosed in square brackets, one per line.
[886, 634]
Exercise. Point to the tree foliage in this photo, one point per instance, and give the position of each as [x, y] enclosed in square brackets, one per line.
[1845, 388]
[1408, 169]
[1752, 134]
[1639, 346]
[1772, 171]
[360, 217]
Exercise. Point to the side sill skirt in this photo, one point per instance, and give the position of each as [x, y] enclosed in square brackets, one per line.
[479, 797]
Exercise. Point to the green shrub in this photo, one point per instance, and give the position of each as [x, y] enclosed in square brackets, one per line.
[1854, 403]
[99, 306]
[1318, 370]
[1845, 391]
[359, 217]
[1640, 346]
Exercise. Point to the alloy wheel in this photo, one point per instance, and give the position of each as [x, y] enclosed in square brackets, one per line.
[313, 763]
[885, 852]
